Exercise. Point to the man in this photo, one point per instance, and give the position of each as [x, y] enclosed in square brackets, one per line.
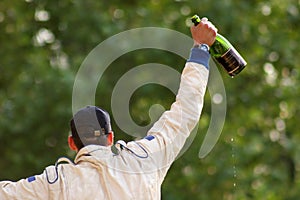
[134, 170]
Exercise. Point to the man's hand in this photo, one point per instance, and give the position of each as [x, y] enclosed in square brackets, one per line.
[204, 33]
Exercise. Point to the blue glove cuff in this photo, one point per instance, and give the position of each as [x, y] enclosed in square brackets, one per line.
[199, 56]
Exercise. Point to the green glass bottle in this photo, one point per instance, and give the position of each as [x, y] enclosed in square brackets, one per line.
[224, 53]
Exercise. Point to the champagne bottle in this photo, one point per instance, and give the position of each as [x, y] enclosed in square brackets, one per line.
[224, 53]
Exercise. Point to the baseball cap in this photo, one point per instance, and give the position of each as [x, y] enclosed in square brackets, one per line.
[92, 121]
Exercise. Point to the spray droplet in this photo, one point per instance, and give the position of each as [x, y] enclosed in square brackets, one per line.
[233, 162]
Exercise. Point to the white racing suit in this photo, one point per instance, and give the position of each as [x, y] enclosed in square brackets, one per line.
[137, 169]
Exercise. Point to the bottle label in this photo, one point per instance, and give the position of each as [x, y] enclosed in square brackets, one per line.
[232, 62]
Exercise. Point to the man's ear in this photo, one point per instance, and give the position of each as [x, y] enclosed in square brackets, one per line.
[72, 144]
[110, 138]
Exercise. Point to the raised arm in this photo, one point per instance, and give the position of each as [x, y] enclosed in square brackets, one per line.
[168, 135]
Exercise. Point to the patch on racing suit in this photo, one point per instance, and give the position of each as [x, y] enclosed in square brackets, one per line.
[31, 179]
[149, 137]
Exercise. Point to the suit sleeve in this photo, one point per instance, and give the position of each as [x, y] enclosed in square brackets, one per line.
[29, 188]
[168, 135]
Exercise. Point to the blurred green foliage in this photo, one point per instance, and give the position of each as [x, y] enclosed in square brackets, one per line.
[44, 42]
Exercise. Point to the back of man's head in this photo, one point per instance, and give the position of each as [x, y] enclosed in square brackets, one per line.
[90, 125]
